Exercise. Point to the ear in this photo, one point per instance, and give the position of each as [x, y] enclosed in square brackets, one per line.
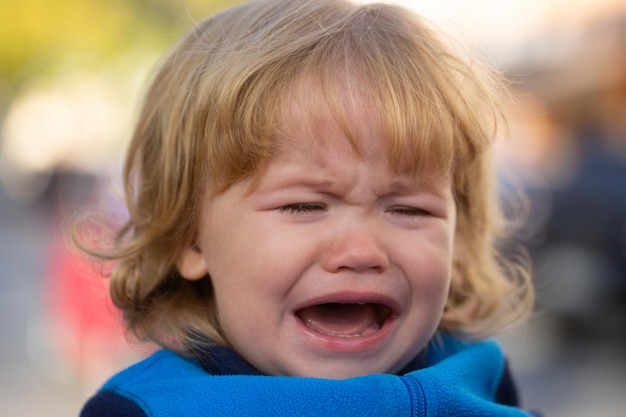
[191, 264]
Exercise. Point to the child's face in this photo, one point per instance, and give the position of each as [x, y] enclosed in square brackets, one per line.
[333, 266]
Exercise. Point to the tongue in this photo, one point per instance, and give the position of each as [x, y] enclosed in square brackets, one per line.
[342, 320]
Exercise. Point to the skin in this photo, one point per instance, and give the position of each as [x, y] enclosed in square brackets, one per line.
[326, 224]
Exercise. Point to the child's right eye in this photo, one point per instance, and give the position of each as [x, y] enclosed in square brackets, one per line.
[302, 208]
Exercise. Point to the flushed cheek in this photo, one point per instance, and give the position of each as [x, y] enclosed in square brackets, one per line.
[256, 328]
[430, 280]
[248, 319]
[255, 284]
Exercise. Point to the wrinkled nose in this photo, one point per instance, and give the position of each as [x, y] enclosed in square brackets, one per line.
[357, 250]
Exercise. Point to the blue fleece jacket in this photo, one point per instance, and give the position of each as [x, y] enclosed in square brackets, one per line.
[456, 379]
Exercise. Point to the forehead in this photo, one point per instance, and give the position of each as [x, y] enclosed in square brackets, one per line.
[316, 113]
[344, 113]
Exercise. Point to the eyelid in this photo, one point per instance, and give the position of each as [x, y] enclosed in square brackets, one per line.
[301, 208]
[409, 210]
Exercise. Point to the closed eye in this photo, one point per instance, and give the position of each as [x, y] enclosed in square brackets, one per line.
[409, 211]
[302, 208]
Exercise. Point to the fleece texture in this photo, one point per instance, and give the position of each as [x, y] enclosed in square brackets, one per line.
[457, 379]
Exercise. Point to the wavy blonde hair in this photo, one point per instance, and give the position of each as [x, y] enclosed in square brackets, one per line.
[210, 119]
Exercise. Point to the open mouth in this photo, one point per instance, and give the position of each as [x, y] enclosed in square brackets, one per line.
[345, 319]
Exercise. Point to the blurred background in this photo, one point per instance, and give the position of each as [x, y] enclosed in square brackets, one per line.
[71, 76]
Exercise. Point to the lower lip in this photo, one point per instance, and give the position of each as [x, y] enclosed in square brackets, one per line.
[354, 344]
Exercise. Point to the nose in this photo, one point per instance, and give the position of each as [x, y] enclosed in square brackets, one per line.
[358, 250]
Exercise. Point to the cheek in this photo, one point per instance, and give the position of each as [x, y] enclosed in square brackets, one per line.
[253, 269]
[434, 284]
[250, 302]
[430, 274]
[431, 290]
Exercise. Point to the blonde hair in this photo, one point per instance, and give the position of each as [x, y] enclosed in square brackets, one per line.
[211, 116]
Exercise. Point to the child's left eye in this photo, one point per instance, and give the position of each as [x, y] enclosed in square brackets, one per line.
[301, 208]
[408, 211]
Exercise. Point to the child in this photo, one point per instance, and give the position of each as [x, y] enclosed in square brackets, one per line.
[310, 198]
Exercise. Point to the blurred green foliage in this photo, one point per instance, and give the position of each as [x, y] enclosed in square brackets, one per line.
[41, 37]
